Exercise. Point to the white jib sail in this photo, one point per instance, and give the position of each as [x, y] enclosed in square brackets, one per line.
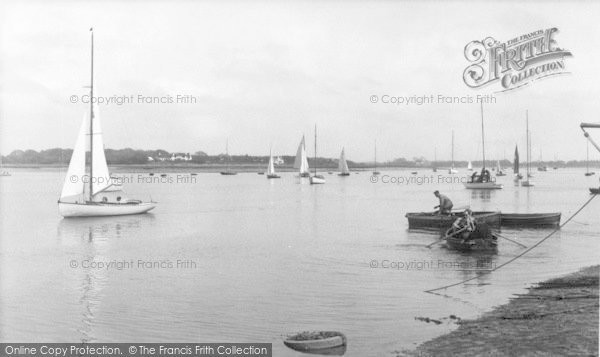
[271, 169]
[74, 181]
[342, 164]
[301, 162]
[101, 179]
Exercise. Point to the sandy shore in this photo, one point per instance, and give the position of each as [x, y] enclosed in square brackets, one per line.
[558, 317]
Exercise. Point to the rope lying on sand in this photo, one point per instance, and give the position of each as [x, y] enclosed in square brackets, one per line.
[519, 255]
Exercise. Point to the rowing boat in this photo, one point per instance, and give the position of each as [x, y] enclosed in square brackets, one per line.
[435, 221]
[481, 239]
[320, 341]
[530, 219]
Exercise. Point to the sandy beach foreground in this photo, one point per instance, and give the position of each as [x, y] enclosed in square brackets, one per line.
[558, 317]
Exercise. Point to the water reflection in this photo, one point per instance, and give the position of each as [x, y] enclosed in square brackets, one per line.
[484, 195]
[92, 239]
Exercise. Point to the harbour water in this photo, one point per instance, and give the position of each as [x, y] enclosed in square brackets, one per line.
[246, 259]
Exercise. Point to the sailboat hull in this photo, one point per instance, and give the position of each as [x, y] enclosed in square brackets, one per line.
[483, 185]
[317, 180]
[101, 209]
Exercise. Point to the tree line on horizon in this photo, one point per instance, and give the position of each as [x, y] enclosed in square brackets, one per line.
[128, 156]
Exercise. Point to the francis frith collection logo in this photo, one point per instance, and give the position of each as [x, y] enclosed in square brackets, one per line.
[514, 63]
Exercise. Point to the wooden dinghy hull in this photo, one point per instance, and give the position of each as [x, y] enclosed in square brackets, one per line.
[472, 245]
[327, 341]
[433, 221]
[531, 219]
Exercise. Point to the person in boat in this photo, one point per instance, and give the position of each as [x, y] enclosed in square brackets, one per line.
[464, 225]
[445, 206]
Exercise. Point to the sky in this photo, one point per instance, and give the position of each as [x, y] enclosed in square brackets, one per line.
[264, 73]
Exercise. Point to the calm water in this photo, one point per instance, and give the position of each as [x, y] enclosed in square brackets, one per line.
[271, 258]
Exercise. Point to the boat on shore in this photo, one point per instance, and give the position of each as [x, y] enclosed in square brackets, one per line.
[435, 221]
[530, 219]
[320, 342]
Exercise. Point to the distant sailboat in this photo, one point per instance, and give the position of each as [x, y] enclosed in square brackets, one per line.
[482, 181]
[587, 161]
[227, 171]
[499, 171]
[470, 166]
[542, 167]
[301, 162]
[375, 172]
[316, 179]
[528, 183]
[518, 176]
[434, 166]
[3, 172]
[343, 165]
[452, 170]
[99, 195]
[271, 169]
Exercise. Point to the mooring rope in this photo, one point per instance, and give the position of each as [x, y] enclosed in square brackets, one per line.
[519, 255]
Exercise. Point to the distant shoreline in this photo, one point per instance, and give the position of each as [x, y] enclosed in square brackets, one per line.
[557, 317]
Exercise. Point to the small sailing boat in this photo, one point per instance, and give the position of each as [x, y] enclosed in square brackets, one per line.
[375, 172]
[227, 171]
[482, 180]
[518, 176]
[470, 166]
[452, 170]
[96, 194]
[301, 162]
[343, 165]
[587, 161]
[271, 169]
[542, 167]
[499, 171]
[528, 182]
[3, 172]
[316, 179]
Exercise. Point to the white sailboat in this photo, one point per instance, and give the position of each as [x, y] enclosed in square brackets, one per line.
[482, 181]
[301, 162]
[528, 182]
[271, 169]
[96, 193]
[227, 171]
[375, 172]
[452, 170]
[316, 179]
[470, 166]
[499, 171]
[343, 165]
[2, 171]
[587, 161]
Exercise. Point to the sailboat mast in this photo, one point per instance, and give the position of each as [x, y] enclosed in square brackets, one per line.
[315, 149]
[527, 134]
[482, 137]
[92, 117]
[452, 148]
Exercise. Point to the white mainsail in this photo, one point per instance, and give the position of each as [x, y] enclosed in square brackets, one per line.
[74, 181]
[470, 166]
[301, 162]
[342, 164]
[271, 169]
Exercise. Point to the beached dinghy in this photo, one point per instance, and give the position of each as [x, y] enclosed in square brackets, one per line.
[317, 342]
[89, 190]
